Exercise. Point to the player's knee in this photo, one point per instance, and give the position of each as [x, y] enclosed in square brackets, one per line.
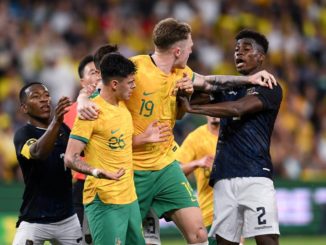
[198, 236]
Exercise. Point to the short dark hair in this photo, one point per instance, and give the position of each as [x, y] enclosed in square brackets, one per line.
[169, 31]
[87, 59]
[115, 65]
[101, 51]
[22, 92]
[259, 38]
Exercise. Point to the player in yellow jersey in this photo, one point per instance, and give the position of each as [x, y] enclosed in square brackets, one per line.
[109, 194]
[196, 155]
[160, 182]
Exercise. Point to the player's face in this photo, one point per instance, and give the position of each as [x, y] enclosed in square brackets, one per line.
[183, 51]
[37, 102]
[91, 75]
[125, 87]
[247, 56]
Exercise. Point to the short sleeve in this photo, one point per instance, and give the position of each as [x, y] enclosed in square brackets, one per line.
[23, 143]
[271, 98]
[82, 130]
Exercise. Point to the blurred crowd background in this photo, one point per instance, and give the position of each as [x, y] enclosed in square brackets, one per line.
[45, 40]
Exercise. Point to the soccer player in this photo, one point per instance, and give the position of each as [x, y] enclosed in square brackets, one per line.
[244, 194]
[89, 78]
[46, 213]
[196, 155]
[198, 158]
[109, 193]
[160, 183]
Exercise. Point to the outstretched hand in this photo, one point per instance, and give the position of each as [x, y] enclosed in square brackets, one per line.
[157, 132]
[102, 174]
[184, 86]
[263, 78]
[61, 108]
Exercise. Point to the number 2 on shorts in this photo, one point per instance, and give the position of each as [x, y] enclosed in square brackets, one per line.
[260, 216]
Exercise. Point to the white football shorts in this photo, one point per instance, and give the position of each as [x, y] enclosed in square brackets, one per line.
[65, 232]
[244, 206]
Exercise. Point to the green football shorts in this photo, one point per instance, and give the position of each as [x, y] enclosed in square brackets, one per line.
[115, 223]
[164, 190]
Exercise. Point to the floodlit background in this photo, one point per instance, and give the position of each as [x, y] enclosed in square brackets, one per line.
[44, 41]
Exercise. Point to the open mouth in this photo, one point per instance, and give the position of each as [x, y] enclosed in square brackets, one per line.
[45, 108]
[239, 62]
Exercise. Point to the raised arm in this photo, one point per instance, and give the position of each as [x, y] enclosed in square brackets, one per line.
[74, 161]
[87, 110]
[214, 83]
[245, 105]
[44, 145]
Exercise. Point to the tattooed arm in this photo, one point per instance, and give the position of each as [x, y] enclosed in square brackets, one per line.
[213, 83]
[74, 161]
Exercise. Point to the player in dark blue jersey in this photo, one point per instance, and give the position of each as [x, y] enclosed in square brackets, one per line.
[46, 213]
[242, 172]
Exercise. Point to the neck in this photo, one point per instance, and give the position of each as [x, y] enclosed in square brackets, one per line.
[39, 122]
[109, 96]
[251, 72]
[164, 61]
[213, 128]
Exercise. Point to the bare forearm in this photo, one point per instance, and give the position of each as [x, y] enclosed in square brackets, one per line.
[214, 83]
[83, 95]
[225, 109]
[139, 140]
[44, 145]
[189, 167]
[76, 163]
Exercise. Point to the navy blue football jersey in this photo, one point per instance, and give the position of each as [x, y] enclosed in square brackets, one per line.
[244, 142]
[47, 196]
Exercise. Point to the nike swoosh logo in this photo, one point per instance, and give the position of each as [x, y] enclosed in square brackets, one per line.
[146, 93]
[114, 131]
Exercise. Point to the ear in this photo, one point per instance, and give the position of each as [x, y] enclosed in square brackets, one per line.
[23, 108]
[114, 84]
[177, 52]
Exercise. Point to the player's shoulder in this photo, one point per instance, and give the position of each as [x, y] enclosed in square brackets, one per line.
[23, 133]
[186, 70]
[27, 128]
[198, 132]
[140, 58]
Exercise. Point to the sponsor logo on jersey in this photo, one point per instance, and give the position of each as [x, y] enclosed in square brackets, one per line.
[148, 93]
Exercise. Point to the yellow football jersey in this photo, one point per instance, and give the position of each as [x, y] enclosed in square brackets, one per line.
[198, 144]
[108, 146]
[151, 100]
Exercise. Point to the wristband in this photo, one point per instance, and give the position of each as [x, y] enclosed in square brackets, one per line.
[95, 172]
